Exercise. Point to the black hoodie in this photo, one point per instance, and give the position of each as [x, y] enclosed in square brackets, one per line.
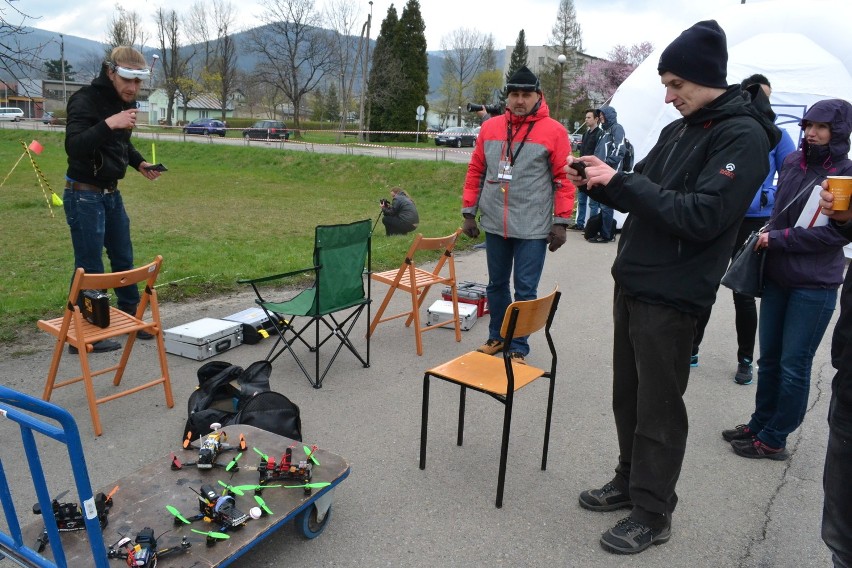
[686, 200]
[97, 154]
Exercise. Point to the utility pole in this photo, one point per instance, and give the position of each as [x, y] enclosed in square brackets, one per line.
[62, 65]
[364, 64]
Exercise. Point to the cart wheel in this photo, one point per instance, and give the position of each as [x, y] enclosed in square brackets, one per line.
[307, 522]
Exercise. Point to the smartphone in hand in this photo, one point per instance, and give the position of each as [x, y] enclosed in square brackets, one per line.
[580, 167]
[157, 168]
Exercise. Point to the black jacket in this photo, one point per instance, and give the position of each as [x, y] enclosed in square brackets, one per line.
[590, 141]
[97, 154]
[687, 199]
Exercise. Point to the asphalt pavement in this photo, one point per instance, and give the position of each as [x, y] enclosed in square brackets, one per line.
[733, 512]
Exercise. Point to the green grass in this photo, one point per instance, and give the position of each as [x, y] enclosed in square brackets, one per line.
[220, 213]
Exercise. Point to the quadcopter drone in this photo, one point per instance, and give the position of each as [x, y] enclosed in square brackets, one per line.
[144, 551]
[69, 517]
[221, 510]
[211, 447]
[286, 469]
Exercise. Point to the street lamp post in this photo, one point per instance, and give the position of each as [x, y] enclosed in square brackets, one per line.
[458, 117]
[561, 59]
[62, 66]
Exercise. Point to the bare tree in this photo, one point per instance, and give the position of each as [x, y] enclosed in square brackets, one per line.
[125, 29]
[91, 65]
[16, 61]
[198, 29]
[463, 56]
[173, 63]
[341, 17]
[295, 51]
[224, 64]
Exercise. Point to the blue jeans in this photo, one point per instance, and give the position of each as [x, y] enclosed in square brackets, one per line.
[792, 323]
[582, 200]
[527, 256]
[606, 222]
[97, 222]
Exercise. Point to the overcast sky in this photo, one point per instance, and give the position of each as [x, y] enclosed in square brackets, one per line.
[604, 23]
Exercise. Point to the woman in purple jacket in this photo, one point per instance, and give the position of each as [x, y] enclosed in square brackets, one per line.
[804, 268]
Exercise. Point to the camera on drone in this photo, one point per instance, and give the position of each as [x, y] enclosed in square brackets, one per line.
[493, 110]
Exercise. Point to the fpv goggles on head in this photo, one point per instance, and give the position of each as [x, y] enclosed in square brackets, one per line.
[130, 74]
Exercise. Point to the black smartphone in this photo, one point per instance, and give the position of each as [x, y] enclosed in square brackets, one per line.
[157, 168]
[580, 167]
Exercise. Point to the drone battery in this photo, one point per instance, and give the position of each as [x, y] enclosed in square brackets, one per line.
[94, 305]
[204, 338]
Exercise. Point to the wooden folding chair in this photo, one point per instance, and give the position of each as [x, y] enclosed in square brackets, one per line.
[499, 377]
[417, 282]
[73, 329]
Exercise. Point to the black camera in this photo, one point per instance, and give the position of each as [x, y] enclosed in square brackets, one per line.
[493, 110]
[384, 202]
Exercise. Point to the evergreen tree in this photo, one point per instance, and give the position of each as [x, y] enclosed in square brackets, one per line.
[332, 103]
[566, 34]
[519, 55]
[410, 47]
[385, 78]
[53, 69]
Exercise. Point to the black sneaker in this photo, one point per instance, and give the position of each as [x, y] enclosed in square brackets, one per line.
[739, 432]
[607, 498]
[144, 335]
[629, 536]
[101, 346]
[744, 374]
[755, 449]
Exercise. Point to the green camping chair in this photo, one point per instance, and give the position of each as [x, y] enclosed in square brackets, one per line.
[341, 253]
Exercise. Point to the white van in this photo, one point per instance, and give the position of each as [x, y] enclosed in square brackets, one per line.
[11, 113]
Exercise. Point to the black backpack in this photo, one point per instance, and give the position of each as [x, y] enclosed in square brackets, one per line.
[225, 391]
[629, 156]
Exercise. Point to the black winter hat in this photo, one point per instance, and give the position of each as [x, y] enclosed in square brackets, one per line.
[523, 80]
[699, 54]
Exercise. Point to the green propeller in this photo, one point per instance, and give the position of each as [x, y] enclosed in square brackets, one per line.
[261, 454]
[253, 487]
[233, 462]
[213, 534]
[310, 454]
[231, 488]
[176, 513]
[317, 485]
[262, 504]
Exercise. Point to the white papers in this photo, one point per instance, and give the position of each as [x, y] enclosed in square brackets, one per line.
[811, 215]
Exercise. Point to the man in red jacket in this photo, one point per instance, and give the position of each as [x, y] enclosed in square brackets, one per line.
[516, 181]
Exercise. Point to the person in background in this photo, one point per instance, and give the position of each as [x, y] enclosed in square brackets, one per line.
[837, 504]
[684, 211]
[399, 216]
[803, 269]
[101, 118]
[755, 218]
[610, 149]
[516, 182]
[590, 139]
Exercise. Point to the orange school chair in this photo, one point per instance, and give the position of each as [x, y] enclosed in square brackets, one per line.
[73, 329]
[499, 377]
[417, 282]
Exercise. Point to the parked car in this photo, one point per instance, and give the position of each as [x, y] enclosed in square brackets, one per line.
[267, 130]
[205, 126]
[13, 114]
[576, 139]
[48, 118]
[457, 136]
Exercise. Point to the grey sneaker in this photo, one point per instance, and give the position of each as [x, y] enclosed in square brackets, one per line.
[744, 374]
[629, 536]
[607, 498]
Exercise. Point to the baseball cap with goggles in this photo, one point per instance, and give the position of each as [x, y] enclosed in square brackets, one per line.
[130, 74]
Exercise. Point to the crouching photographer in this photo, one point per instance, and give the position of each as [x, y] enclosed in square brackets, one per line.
[400, 216]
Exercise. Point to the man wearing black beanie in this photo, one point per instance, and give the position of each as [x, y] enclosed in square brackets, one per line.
[685, 201]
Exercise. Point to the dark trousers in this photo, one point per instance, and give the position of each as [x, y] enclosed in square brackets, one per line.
[745, 307]
[837, 476]
[396, 226]
[651, 351]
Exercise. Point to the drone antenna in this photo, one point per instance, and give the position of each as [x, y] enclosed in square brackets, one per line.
[200, 496]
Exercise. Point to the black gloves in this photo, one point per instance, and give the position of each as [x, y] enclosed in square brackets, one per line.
[556, 237]
[470, 229]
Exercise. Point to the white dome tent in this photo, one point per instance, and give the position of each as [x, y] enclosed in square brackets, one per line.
[805, 50]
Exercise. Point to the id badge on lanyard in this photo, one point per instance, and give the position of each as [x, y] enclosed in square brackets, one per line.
[504, 170]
